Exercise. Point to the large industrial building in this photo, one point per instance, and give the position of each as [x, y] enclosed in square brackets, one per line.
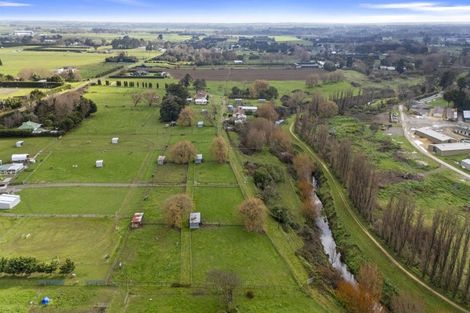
[433, 136]
[445, 149]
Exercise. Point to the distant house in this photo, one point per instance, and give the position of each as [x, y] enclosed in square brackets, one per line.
[466, 116]
[387, 68]
[65, 69]
[19, 143]
[8, 202]
[451, 114]
[23, 33]
[238, 62]
[115, 140]
[199, 159]
[189, 100]
[20, 158]
[201, 98]
[194, 220]
[11, 169]
[161, 160]
[279, 122]
[137, 220]
[35, 128]
[200, 101]
[200, 124]
[248, 109]
[465, 164]
[99, 163]
[230, 108]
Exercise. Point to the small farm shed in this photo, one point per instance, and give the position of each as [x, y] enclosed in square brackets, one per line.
[19, 158]
[99, 163]
[137, 220]
[199, 159]
[19, 143]
[161, 160]
[115, 140]
[200, 124]
[8, 202]
[11, 169]
[194, 220]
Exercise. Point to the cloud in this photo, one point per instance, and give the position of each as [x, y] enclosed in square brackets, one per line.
[433, 7]
[4, 4]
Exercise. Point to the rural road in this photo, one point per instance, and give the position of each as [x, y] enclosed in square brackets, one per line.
[406, 132]
[335, 183]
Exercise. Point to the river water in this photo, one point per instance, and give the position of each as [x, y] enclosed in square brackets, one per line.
[327, 240]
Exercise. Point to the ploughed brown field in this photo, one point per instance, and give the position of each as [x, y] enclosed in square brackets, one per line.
[243, 74]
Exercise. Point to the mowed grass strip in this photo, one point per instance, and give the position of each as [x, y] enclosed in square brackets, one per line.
[76, 200]
[87, 241]
[250, 255]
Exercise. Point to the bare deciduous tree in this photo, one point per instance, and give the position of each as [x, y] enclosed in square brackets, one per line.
[136, 98]
[220, 149]
[182, 152]
[224, 283]
[177, 209]
[186, 117]
[254, 212]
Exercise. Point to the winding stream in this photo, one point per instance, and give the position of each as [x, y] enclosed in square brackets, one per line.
[327, 240]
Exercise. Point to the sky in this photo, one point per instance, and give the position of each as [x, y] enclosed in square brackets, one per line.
[240, 11]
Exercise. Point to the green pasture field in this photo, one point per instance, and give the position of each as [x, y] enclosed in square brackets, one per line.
[31, 146]
[275, 300]
[150, 201]
[251, 255]
[15, 299]
[15, 59]
[214, 173]
[87, 241]
[151, 255]
[218, 205]
[77, 200]
[16, 92]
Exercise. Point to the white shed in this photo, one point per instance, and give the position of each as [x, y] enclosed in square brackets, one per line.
[8, 202]
[465, 164]
[19, 158]
[161, 160]
[194, 220]
[19, 143]
[200, 124]
[115, 140]
[199, 159]
[99, 163]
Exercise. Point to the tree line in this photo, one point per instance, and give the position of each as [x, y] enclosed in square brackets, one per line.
[439, 251]
[26, 266]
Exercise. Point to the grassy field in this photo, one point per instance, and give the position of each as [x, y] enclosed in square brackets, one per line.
[15, 59]
[155, 255]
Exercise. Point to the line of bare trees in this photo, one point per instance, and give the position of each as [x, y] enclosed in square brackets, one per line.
[353, 168]
[440, 251]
